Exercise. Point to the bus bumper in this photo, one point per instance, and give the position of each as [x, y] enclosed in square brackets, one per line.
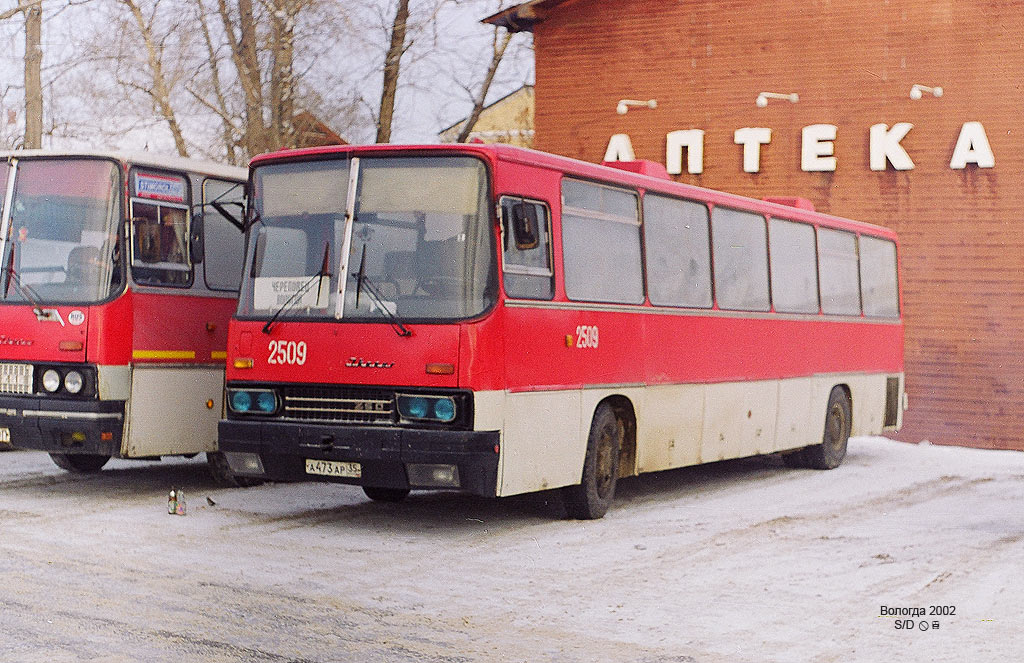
[63, 426]
[387, 457]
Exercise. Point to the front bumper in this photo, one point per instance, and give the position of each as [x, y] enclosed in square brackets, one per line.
[63, 426]
[382, 452]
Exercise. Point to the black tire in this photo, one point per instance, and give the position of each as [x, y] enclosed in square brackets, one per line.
[838, 422]
[221, 472]
[591, 498]
[80, 463]
[794, 459]
[386, 494]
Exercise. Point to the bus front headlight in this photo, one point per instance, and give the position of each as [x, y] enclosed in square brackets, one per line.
[73, 382]
[51, 380]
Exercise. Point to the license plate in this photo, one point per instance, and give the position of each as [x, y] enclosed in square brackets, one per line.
[5, 435]
[334, 468]
[16, 378]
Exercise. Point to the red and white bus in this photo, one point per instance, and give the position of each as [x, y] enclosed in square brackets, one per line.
[119, 275]
[500, 320]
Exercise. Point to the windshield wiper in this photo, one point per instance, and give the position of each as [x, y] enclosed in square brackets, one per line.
[221, 207]
[363, 281]
[11, 276]
[319, 276]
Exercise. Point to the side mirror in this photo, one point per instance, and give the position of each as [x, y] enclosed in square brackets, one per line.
[525, 226]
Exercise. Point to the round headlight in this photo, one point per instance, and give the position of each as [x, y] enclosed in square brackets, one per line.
[241, 401]
[416, 407]
[51, 380]
[266, 402]
[444, 409]
[73, 382]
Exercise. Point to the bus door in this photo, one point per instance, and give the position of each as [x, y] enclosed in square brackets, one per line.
[185, 269]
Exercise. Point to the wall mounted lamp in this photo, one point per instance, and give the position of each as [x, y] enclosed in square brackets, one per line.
[762, 99]
[917, 91]
[625, 104]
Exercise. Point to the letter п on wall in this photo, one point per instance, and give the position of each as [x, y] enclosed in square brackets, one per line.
[693, 141]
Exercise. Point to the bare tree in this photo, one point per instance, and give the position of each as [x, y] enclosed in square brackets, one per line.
[33, 76]
[392, 62]
[219, 105]
[158, 87]
[33, 12]
[499, 45]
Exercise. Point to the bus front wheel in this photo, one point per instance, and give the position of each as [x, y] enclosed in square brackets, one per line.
[591, 498]
[80, 463]
[838, 421]
[221, 472]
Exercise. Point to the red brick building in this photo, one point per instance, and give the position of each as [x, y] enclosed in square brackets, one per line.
[952, 184]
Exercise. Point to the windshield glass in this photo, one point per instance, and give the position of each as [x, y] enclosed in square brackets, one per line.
[63, 232]
[421, 234]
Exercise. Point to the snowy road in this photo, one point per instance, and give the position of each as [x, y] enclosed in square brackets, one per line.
[738, 561]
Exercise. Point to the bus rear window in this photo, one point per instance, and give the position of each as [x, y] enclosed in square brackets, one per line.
[879, 289]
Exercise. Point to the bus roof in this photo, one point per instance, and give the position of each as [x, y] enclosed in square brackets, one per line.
[586, 169]
[150, 159]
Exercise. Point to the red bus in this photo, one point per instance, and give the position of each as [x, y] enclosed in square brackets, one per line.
[119, 275]
[500, 320]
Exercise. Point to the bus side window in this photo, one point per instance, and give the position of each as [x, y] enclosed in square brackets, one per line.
[678, 252]
[222, 238]
[794, 266]
[528, 273]
[159, 241]
[838, 271]
[601, 243]
[160, 244]
[740, 248]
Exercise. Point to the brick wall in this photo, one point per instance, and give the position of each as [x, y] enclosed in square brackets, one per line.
[852, 63]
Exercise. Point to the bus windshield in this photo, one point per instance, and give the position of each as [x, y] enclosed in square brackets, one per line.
[62, 231]
[420, 242]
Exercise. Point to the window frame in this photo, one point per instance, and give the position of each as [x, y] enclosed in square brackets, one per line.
[526, 270]
[242, 245]
[765, 252]
[581, 212]
[895, 273]
[817, 266]
[186, 206]
[821, 295]
[707, 234]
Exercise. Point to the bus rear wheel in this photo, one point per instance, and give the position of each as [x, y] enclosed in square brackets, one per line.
[386, 494]
[838, 421]
[80, 463]
[591, 498]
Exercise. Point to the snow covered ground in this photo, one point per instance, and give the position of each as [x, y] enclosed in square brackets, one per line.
[736, 561]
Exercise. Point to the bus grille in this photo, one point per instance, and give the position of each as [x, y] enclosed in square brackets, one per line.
[15, 378]
[354, 405]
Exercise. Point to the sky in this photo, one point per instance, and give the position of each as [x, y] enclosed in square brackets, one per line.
[430, 97]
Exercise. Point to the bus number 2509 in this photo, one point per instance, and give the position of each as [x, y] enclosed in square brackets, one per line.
[287, 352]
[586, 336]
